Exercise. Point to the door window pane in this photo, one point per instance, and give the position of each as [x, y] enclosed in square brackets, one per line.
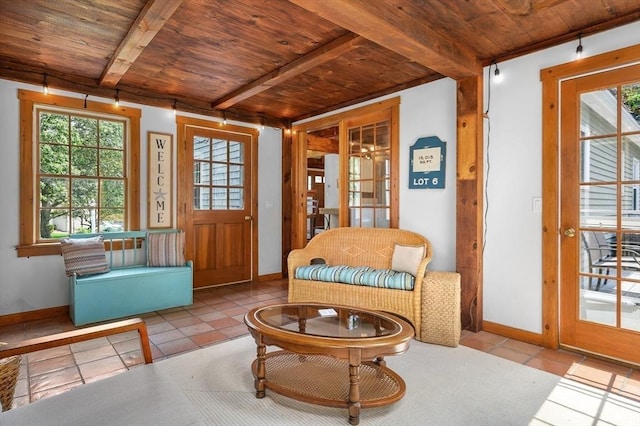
[369, 175]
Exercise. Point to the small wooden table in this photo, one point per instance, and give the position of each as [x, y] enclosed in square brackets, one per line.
[320, 345]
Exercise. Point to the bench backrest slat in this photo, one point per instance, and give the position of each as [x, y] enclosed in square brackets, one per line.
[124, 249]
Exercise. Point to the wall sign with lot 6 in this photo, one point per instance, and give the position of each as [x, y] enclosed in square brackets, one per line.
[427, 163]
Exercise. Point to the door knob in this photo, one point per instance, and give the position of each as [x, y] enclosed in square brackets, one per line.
[569, 232]
[247, 218]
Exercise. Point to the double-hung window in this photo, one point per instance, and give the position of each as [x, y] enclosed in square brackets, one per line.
[78, 171]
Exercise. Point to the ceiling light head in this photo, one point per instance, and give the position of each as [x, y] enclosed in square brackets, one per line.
[175, 107]
[497, 77]
[579, 48]
[116, 98]
[45, 86]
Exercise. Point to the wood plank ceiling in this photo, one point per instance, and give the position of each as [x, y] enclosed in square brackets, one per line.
[278, 61]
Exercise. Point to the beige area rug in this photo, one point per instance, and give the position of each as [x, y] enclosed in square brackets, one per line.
[445, 386]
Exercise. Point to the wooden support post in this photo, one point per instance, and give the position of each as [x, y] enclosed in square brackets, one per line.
[469, 205]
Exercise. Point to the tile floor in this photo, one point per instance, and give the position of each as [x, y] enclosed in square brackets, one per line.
[217, 315]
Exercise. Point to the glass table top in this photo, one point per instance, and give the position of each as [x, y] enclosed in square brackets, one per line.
[327, 321]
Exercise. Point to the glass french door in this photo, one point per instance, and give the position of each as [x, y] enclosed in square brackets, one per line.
[369, 171]
[600, 213]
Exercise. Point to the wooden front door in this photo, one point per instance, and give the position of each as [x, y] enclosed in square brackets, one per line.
[600, 213]
[217, 203]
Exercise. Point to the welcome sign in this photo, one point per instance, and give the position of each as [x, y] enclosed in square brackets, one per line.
[160, 200]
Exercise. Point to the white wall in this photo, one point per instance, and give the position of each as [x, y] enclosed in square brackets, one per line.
[39, 282]
[513, 258]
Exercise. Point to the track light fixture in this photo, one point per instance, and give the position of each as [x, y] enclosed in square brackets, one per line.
[116, 99]
[579, 48]
[45, 86]
[224, 118]
[175, 107]
[497, 77]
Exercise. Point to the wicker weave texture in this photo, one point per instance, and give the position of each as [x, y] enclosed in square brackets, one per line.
[325, 379]
[9, 370]
[359, 247]
[441, 321]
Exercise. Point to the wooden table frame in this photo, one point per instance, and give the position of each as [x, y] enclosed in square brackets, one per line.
[357, 351]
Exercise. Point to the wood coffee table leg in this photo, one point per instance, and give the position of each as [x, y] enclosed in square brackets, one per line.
[354, 394]
[260, 371]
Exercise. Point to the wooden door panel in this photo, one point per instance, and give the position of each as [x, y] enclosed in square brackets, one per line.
[216, 169]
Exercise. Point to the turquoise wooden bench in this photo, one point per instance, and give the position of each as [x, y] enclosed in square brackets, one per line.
[130, 287]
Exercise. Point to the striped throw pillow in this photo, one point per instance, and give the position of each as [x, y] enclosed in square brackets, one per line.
[165, 249]
[84, 256]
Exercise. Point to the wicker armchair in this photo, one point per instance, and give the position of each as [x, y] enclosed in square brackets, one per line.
[433, 307]
[9, 370]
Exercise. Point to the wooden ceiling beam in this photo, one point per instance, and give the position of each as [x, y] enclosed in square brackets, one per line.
[323, 54]
[397, 30]
[151, 19]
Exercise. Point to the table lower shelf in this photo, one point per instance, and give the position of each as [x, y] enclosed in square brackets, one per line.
[324, 380]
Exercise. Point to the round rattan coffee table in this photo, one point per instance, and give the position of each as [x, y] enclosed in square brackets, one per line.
[332, 355]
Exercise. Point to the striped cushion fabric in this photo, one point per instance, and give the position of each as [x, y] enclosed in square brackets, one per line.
[165, 249]
[84, 256]
[360, 275]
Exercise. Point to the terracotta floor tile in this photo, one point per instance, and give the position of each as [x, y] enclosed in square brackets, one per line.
[235, 311]
[174, 315]
[208, 338]
[186, 321]
[223, 322]
[90, 344]
[51, 364]
[166, 336]
[631, 388]
[215, 315]
[203, 310]
[127, 346]
[523, 347]
[54, 379]
[510, 354]
[104, 375]
[95, 354]
[48, 353]
[235, 331]
[224, 304]
[177, 346]
[595, 376]
[477, 344]
[561, 356]
[549, 365]
[101, 366]
[22, 388]
[200, 328]
[123, 337]
[132, 358]
[54, 391]
[160, 327]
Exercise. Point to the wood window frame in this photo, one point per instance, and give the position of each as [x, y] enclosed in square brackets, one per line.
[299, 163]
[29, 100]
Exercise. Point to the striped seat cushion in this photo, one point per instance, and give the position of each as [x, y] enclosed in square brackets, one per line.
[360, 275]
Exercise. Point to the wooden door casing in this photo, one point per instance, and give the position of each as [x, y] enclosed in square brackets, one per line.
[221, 242]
